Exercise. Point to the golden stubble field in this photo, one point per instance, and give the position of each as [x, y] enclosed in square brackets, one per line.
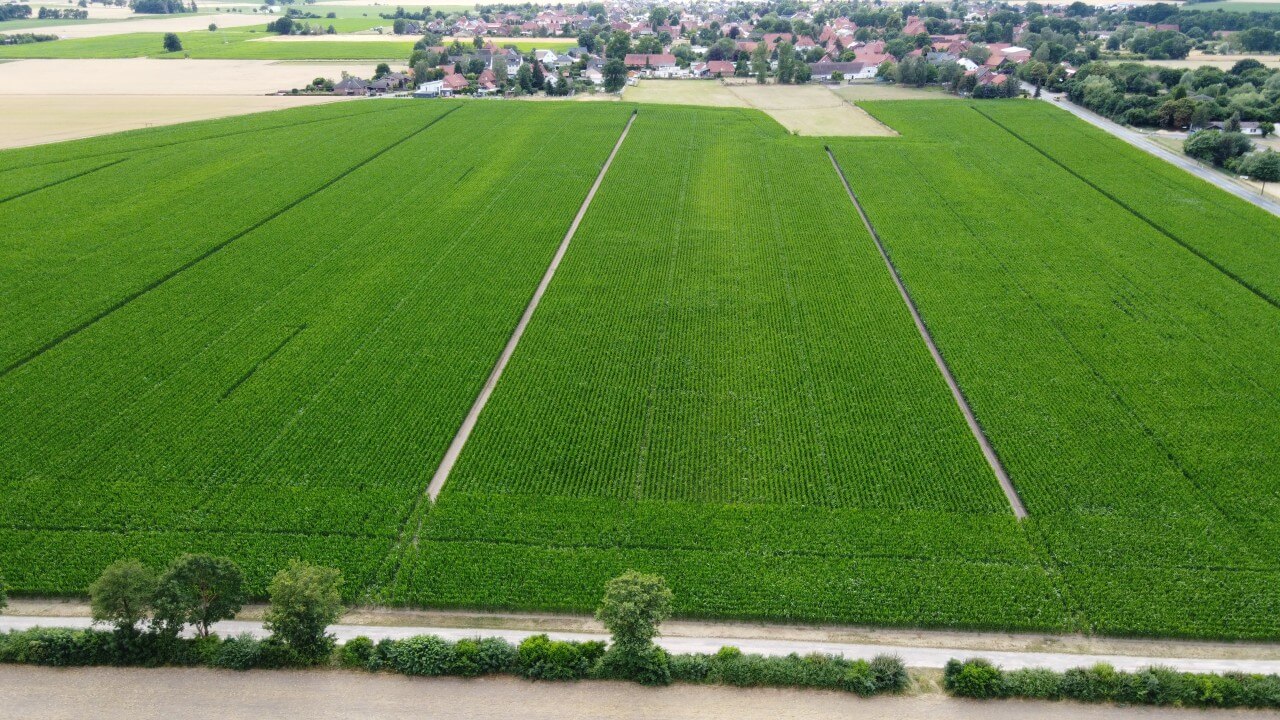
[803, 109]
[50, 100]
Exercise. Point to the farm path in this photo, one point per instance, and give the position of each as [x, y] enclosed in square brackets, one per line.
[918, 648]
[37, 693]
[1010, 493]
[1142, 142]
[469, 422]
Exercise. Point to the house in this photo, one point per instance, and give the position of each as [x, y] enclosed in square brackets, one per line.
[720, 68]
[914, 27]
[455, 82]
[432, 89]
[593, 75]
[654, 65]
[351, 86]
[1246, 128]
[822, 71]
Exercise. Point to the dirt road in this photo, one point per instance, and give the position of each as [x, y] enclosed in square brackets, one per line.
[194, 694]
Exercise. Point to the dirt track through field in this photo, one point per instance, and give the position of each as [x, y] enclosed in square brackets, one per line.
[1015, 502]
[469, 422]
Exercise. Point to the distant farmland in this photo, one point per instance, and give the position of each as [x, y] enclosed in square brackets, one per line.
[258, 336]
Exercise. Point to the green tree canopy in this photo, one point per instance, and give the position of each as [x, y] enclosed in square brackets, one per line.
[122, 595]
[198, 590]
[305, 600]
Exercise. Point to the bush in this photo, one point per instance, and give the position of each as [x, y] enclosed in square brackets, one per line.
[889, 674]
[356, 653]
[1035, 683]
[973, 678]
[1094, 684]
[483, 657]
[648, 666]
[423, 655]
[858, 678]
[242, 652]
[541, 658]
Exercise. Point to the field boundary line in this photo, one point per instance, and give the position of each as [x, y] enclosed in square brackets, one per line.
[473, 415]
[78, 175]
[1134, 212]
[68, 334]
[1010, 492]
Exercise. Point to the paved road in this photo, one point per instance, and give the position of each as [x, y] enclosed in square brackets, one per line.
[918, 657]
[1141, 142]
[34, 693]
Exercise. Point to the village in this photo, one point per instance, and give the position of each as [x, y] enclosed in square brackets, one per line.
[619, 44]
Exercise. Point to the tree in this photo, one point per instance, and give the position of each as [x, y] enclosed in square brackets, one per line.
[122, 595]
[524, 78]
[199, 590]
[1262, 166]
[786, 62]
[619, 44]
[1232, 125]
[381, 71]
[172, 43]
[760, 62]
[1266, 128]
[539, 77]
[399, 25]
[305, 600]
[658, 16]
[615, 75]
[213, 27]
[634, 605]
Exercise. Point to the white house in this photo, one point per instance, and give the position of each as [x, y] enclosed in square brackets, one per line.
[432, 89]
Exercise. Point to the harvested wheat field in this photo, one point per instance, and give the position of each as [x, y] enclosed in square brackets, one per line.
[148, 76]
[35, 119]
[802, 109]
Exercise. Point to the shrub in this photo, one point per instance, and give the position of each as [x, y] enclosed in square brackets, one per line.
[305, 600]
[356, 653]
[647, 666]
[858, 678]
[1035, 683]
[889, 674]
[241, 652]
[483, 657]
[1093, 684]
[692, 668]
[975, 678]
[541, 658]
[423, 655]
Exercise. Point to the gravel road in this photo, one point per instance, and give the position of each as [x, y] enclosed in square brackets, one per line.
[34, 693]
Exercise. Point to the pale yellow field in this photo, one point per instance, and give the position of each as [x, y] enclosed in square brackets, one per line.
[147, 76]
[802, 109]
[183, 23]
[885, 91]
[35, 119]
[1196, 59]
[682, 92]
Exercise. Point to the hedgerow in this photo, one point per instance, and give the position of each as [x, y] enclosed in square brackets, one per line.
[978, 678]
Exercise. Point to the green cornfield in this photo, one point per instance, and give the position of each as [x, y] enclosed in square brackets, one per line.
[257, 337]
